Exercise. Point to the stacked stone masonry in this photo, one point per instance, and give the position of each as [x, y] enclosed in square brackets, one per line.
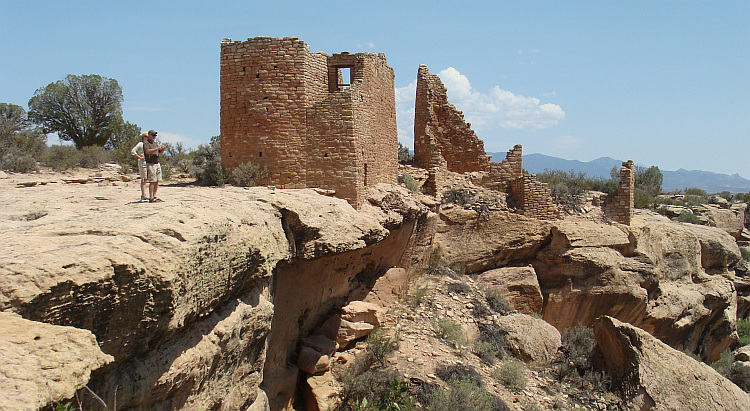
[440, 130]
[288, 111]
[444, 140]
[619, 205]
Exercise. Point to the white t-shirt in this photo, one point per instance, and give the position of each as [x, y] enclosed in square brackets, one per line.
[138, 149]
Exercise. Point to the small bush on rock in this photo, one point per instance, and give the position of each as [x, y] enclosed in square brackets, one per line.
[497, 300]
[463, 394]
[409, 182]
[248, 174]
[61, 158]
[512, 373]
[448, 330]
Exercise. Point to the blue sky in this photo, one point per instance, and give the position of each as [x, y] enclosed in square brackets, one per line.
[663, 83]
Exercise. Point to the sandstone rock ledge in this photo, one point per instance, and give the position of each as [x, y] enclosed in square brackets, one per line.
[180, 293]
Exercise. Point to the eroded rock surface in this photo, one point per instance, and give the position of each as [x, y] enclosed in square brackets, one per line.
[42, 363]
[659, 377]
[180, 293]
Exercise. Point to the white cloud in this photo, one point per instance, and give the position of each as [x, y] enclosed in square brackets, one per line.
[499, 108]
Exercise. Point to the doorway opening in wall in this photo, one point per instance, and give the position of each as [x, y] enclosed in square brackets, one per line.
[345, 81]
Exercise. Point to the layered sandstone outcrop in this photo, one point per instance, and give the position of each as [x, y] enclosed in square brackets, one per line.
[194, 298]
[672, 279]
[656, 376]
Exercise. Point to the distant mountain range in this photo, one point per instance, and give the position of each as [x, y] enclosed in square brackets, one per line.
[601, 167]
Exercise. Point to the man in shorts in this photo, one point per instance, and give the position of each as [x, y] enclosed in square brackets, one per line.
[137, 152]
[153, 168]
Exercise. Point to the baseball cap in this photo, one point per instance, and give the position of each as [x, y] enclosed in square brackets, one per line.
[151, 132]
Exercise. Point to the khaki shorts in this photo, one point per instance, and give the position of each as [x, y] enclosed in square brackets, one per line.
[154, 173]
[142, 169]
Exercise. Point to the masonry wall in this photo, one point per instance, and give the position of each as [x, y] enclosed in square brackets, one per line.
[534, 198]
[284, 109]
[440, 129]
[503, 173]
[266, 85]
[620, 204]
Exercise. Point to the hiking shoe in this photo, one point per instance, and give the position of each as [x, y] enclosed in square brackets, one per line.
[156, 200]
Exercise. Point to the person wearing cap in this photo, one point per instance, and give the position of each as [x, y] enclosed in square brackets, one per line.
[153, 168]
[137, 152]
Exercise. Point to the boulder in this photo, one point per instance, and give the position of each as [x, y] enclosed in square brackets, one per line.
[671, 279]
[656, 376]
[44, 363]
[520, 286]
[532, 339]
[361, 311]
[312, 362]
[387, 289]
[739, 371]
[320, 392]
[483, 244]
[356, 320]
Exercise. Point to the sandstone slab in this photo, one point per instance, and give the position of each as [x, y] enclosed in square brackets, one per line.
[659, 377]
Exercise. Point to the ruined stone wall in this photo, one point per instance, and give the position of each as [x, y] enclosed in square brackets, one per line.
[374, 101]
[440, 129]
[503, 173]
[286, 109]
[266, 85]
[620, 204]
[534, 198]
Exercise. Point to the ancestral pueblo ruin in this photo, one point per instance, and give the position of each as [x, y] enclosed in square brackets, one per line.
[289, 111]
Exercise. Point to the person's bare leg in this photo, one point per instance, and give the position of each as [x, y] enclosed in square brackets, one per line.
[144, 190]
[152, 190]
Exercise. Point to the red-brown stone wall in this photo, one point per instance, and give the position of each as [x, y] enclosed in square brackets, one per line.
[534, 198]
[440, 129]
[266, 85]
[282, 108]
[620, 204]
[511, 168]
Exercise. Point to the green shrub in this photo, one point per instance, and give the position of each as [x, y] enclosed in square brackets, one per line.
[93, 157]
[688, 217]
[695, 192]
[485, 350]
[462, 394]
[743, 329]
[418, 296]
[380, 345]
[459, 287]
[458, 267]
[377, 389]
[578, 345]
[404, 157]
[497, 300]
[643, 199]
[61, 158]
[248, 174]
[458, 195]
[567, 187]
[409, 182]
[435, 259]
[448, 330]
[206, 167]
[18, 163]
[492, 334]
[512, 373]
[723, 364]
[448, 372]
